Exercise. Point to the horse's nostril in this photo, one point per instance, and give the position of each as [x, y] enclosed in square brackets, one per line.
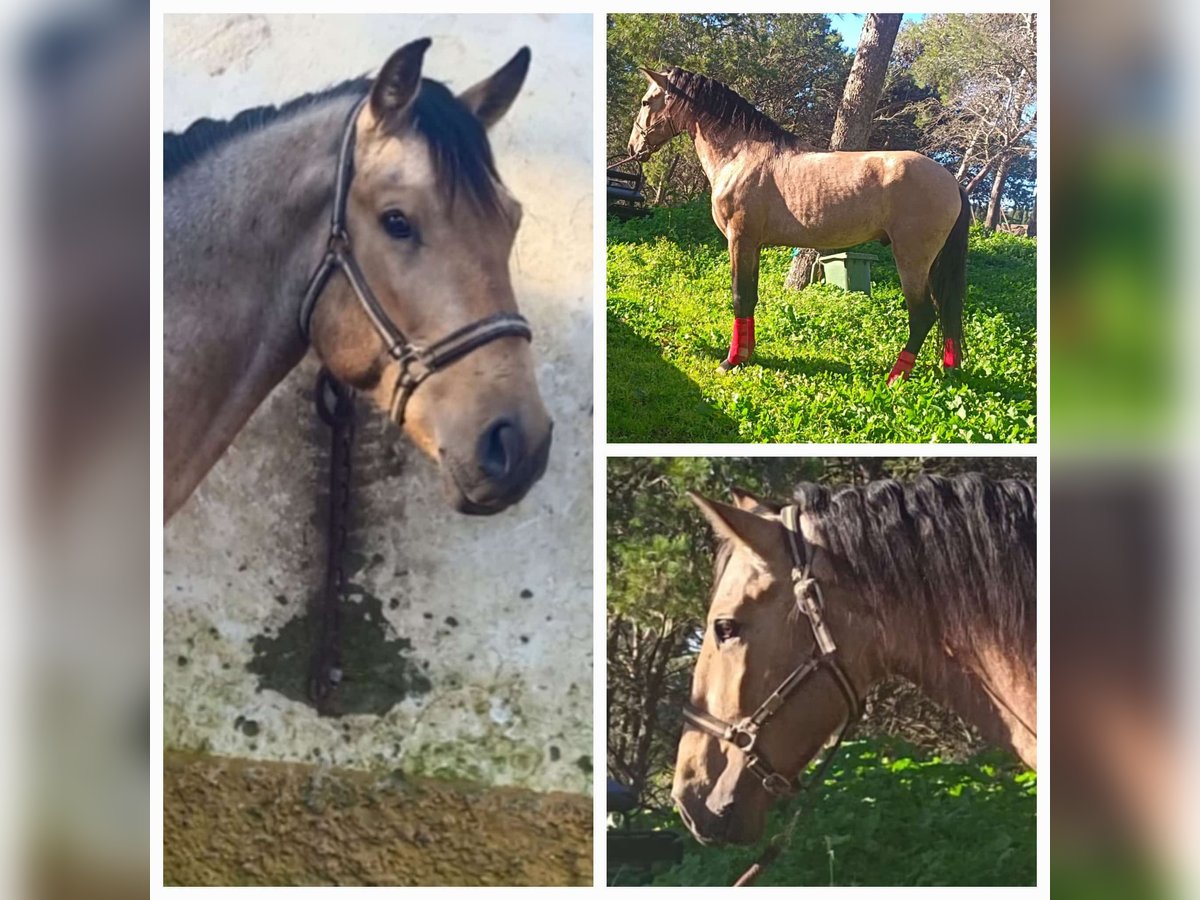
[500, 449]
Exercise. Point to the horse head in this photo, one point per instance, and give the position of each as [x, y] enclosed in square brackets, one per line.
[432, 229]
[756, 639]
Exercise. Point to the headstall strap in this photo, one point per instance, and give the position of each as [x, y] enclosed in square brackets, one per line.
[416, 362]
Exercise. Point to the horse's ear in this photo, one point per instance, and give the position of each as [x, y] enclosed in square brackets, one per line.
[398, 81]
[490, 99]
[654, 77]
[753, 531]
[749, 502]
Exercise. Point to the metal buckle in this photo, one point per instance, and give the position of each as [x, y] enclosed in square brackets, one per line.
[413, 367]
[776, 785]
[734, 733]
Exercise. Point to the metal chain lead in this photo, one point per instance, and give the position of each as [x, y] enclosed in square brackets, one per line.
[335, 406]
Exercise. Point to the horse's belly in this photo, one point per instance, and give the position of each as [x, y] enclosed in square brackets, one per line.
[824, 229]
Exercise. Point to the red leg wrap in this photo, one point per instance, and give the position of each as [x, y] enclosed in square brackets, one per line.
[904, 365]
[951, 356]
[743, 341]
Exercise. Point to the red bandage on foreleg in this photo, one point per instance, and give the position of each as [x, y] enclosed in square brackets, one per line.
[904, 365]
[743, 341]
[951, 356]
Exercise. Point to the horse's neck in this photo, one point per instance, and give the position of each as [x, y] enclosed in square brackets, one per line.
[989, 688]
[245, 227]
[721, 152]
[992, 691]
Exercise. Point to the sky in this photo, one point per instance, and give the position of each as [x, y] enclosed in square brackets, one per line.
[850, 24]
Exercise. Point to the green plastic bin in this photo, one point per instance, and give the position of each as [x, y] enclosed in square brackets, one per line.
[850, 271]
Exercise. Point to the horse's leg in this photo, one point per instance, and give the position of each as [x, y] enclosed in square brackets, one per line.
[914, 282]
[743, 260]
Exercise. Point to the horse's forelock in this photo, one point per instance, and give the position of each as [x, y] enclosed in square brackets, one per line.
[458, 144]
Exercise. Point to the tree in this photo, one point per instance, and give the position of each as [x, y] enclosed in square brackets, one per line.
[856, 113]
[983, 117]
[852, 128]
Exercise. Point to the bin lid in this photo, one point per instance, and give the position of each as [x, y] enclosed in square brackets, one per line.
[846, 254]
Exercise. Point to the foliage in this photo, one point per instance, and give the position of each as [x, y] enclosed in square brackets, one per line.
[822, 355]
[983, 68]
[885, 816]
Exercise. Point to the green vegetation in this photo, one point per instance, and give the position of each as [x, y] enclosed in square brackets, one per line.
[822, 356]
[885, 817]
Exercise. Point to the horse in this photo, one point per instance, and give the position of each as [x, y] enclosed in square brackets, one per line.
[816, 600]
[372, 215]
[769, 189]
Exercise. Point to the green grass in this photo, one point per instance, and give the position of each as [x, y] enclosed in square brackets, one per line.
[886, 818]
[821, 357]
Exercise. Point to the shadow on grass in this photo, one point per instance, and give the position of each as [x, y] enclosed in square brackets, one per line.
[650, 400]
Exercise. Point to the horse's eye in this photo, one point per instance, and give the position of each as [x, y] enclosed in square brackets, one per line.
[396, 224]
[725, 630]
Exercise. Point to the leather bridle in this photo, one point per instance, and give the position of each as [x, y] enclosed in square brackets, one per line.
[417, 362]
[645, 134]
[744, 734]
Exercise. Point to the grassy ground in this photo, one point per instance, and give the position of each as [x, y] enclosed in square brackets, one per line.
[886, 817]
[821, 357]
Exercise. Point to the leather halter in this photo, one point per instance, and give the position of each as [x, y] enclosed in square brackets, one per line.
[417, 362]
[744, 733]
[645, 134]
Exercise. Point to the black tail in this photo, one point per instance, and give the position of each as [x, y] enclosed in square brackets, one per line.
[948, 277]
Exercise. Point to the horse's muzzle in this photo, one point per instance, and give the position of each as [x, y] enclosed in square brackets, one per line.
[504, 469]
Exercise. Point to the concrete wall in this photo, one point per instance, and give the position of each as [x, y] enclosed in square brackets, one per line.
[468, 641]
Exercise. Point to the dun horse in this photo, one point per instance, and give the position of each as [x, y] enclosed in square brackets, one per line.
[372, 215]
[768, 189]
[817, 600]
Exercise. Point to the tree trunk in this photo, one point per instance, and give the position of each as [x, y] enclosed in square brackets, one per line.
[666, 180]
[993, 210]
[852, 128]
[1031, 225]
[801, 271]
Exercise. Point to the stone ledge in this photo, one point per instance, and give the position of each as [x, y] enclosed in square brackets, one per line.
[229, 821]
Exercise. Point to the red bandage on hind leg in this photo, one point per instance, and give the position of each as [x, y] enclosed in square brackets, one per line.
[743, 341]
[904, 365]
[951, 356]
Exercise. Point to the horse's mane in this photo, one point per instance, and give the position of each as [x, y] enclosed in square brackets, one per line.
[457, 140]
[718, 106]
[955, 555]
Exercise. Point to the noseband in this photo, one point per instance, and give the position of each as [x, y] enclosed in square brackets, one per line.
[744, 734]
[417, 362]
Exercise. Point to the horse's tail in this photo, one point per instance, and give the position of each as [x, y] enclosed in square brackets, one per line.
[948, 281]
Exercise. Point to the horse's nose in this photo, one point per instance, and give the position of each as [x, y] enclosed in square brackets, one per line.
[501, 450]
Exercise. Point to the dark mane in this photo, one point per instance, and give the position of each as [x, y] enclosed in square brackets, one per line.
[458, 143]
[955, 554]
[202, 137]
[719, 106]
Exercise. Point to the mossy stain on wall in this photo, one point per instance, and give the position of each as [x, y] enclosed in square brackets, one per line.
[379, 668]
